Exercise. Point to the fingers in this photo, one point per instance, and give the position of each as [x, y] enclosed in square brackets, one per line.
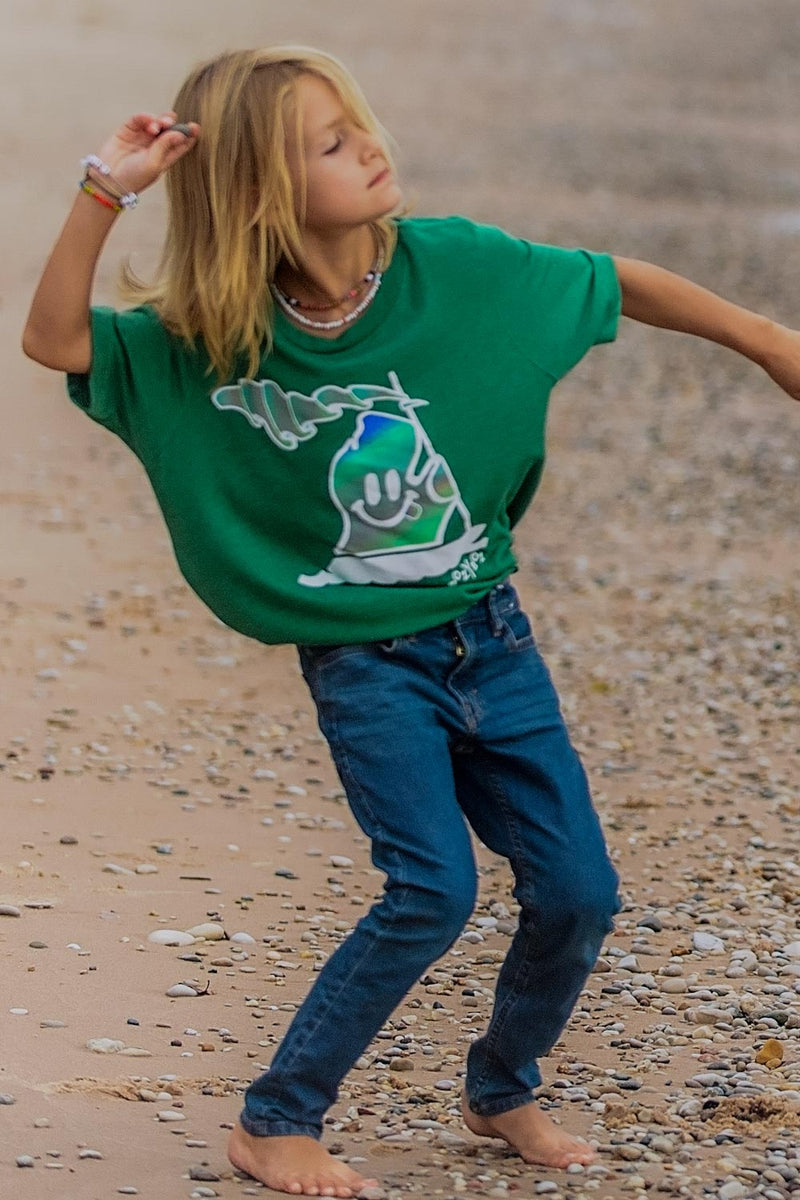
[150, 123]
[173, 143]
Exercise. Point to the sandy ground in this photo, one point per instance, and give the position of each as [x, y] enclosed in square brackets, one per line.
[160, 771]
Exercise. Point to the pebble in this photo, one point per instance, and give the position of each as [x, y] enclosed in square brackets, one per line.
[200, 1193]
[181, 989]
[87, 1153]
[732, 1190]
[171, 1114]
[708, 943]
[170, 937]
[7, 1098]
[10, 910]
[203, 1174]
[105, 1045]
[25, 1160]
[209, 931]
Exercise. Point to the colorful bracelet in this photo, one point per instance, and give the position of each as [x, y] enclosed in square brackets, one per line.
[124, 198]
[101, 197]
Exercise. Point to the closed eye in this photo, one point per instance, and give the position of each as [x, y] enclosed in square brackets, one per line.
[332, 149]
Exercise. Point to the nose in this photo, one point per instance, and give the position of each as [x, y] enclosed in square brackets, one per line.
[370, 148]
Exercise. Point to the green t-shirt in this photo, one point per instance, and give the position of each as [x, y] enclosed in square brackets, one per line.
[363, 487]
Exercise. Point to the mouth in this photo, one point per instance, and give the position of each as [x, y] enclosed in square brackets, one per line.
[380, 177]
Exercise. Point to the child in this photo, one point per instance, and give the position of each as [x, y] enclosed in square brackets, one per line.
[341, 411]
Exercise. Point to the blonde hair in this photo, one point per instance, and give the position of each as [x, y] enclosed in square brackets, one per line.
[232, 211]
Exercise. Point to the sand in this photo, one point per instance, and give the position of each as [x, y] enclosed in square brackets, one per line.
[161, 771]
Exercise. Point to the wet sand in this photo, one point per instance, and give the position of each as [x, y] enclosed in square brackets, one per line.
[159, 771]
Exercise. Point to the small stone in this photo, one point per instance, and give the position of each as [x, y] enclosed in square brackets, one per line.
[628, 962]
[203, 1174]
[708, 943]
[792, 950]
[25, 1160]
[210, 931]
[243, 939]
[171, 1114]
[127, 1191]
[170, 937]
[68, 840]
[340, 860]
[732, 1190]
[445, 1085]
[673, 987]
[87, 1153]
[181, 989]
[372, 1192]
[105, 1045]
[10, 910]
[545, 1187]
[41, 1123]
[770, 1053]
[7, 1098]
[201, 1193]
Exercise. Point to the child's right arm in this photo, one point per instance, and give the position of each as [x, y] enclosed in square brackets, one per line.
[58, 331]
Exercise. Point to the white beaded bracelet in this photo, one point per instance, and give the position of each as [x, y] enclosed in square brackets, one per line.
[124, 199]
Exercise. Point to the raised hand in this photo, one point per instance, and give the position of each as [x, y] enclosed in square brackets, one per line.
[145, 147]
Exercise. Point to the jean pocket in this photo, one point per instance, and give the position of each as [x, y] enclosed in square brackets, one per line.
[314, 658]
[517, 629]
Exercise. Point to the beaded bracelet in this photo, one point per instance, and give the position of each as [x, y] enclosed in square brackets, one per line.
[124, 198]
[101, 197]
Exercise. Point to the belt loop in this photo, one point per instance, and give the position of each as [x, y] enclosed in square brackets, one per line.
[496, 621]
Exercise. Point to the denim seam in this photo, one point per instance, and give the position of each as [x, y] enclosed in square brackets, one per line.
[341, 761]
[499, 1018]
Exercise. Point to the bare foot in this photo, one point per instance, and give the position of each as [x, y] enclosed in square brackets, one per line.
[298, 1165]
[533, 1135]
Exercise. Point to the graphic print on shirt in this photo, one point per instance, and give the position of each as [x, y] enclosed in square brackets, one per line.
[403, 517]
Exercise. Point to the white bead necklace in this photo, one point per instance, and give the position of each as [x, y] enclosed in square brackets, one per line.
[288, 308]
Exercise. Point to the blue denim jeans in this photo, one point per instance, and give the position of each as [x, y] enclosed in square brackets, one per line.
[431, 732]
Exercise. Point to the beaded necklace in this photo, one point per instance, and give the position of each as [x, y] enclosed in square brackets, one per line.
[291, 305]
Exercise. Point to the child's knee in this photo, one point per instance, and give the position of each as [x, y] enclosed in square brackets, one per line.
[585, 896]
[437, 908]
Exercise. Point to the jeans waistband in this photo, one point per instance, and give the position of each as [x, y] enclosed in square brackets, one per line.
[491, 608]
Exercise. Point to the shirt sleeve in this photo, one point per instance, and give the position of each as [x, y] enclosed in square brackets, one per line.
[577, 305]
[559, 302]
[108, 393]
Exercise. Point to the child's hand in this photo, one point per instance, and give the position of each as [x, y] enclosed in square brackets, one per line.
[145, 147]
[781, 359]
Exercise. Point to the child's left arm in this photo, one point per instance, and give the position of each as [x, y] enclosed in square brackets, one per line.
[657, 297]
